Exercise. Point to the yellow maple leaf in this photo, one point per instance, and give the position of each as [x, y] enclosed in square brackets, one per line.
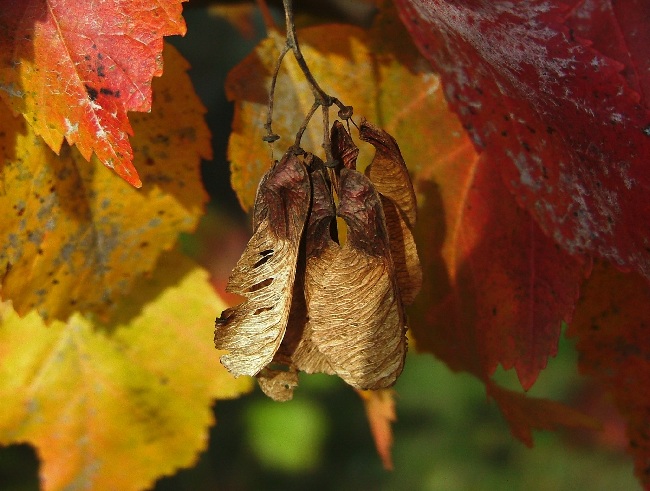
[74, 236]
[114, 406]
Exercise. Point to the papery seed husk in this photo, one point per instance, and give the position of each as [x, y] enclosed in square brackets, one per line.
[389, 175]
[356, 317]
[265, 273]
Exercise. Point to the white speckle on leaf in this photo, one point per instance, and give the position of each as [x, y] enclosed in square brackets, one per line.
[12, 90]
[70, 127]
[617, 118]
[525, 176]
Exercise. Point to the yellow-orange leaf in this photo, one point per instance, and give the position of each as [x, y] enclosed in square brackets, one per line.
[380, 411]
[74, 69]
[115, 406]
[73, 236]
[382, 82]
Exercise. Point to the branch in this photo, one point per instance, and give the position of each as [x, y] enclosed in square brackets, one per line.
[321, 98]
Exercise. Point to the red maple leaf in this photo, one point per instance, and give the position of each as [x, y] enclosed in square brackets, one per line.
[75, 68]
[567, 124]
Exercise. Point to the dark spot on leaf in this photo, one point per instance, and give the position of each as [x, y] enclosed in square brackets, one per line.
[526, 146]
[504, 133]
[55, 281]
[144, 244]
[550, 130]
[92, 93]
[160, 138]
[149, 161]
[87, 57]
[100, 71]
[572, 35]
[494, 311]
[73, 302]
[114, 93]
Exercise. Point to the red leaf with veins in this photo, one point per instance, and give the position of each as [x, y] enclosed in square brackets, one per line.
[570, 134]
[74, 69]
[500, 289]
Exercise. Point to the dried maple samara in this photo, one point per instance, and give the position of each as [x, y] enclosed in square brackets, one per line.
[315, 303]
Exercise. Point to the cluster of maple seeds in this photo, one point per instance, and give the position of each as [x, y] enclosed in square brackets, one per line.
[314, 304]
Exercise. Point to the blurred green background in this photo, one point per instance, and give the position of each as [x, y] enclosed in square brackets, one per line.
[448, 435]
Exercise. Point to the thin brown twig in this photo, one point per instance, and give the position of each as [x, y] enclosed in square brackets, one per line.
[270, 136]
[304, 124]
[321, 98]
[327, 142]
[292, 41]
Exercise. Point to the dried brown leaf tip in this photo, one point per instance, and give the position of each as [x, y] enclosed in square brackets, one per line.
[315, 304]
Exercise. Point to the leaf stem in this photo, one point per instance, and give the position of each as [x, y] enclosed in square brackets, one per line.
[292, 41]
[304, 124]
[270, 136]
[321, 98]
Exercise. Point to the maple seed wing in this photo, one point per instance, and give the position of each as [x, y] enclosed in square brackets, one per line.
[343, 148]
[408, 271]
[390, 177]
[356, 317]
[388, 171]
[321, 250]
[265, 273]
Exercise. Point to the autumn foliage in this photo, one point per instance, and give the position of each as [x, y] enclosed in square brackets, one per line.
[523, 126]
